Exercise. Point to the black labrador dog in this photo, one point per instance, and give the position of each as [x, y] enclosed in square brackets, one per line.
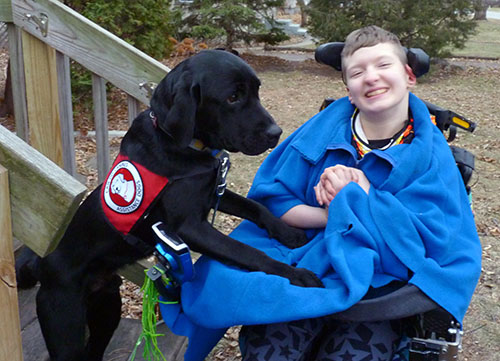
[212, 98]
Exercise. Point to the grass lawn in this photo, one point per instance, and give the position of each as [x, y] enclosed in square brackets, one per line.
[485, 43]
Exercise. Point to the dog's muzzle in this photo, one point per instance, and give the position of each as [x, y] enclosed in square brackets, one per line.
[273, 134]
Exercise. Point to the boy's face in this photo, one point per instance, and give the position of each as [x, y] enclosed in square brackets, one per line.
[377, 81]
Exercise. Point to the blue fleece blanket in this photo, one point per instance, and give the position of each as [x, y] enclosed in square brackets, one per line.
[414, 225]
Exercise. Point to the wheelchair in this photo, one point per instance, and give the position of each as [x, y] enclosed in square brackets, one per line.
[434, 334]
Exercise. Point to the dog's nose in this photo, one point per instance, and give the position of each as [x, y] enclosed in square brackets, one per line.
[273, 133]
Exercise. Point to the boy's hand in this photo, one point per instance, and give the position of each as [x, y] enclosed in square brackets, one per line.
[331, 182]
[334, 179]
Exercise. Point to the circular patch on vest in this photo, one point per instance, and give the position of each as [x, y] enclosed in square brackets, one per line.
[124, 189]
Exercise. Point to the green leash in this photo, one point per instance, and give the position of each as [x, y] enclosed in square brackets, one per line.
[149, 335]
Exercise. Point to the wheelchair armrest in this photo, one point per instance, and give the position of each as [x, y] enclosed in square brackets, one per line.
[404, 302]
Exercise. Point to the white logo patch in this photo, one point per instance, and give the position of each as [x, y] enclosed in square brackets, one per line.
[124, 189]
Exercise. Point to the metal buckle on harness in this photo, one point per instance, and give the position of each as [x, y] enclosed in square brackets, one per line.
[222, 170]
[434, 349]
[221, 183]
[174, 265]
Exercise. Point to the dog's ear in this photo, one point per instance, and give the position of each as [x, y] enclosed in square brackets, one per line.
[174, 103]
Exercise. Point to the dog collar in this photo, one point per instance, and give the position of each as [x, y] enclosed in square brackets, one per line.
[222, 167]
[197, 144]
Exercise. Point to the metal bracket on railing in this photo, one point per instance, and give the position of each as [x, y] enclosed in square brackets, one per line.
[42, 21]
[148, 87]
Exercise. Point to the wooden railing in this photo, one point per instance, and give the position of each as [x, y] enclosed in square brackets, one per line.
[43, 36]
[41, 199]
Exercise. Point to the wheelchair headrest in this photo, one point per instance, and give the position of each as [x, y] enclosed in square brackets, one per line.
[329, 54]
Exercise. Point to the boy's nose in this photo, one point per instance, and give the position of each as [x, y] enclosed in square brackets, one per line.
[371, 74]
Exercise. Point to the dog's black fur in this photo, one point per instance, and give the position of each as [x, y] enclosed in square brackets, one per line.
[213, 97]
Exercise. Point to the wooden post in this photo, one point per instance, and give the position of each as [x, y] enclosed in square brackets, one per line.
[101, 125]
[134, 108]
[19, 84]
[42, 97]
[66, 112]
[10, 331]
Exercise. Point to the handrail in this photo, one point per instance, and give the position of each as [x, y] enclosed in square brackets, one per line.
[88, 44]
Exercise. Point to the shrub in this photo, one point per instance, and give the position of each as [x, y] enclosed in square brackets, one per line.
[233, 21]
[145, 24]
[431, 25]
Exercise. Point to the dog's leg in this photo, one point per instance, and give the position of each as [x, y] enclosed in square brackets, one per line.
[26, 264]
[239, 206]
[61, 312]
[207, 240]
[103, 316]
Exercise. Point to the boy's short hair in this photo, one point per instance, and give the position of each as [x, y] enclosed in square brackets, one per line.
[370, 36]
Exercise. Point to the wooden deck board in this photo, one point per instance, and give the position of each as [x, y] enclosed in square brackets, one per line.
[119, 349]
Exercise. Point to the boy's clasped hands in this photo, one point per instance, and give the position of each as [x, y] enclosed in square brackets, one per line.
[334, 179]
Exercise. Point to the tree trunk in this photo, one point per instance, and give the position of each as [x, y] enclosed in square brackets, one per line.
[229, 40]
[303, 13]
[480, 13]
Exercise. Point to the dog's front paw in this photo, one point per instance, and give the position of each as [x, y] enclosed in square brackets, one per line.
[304, 278]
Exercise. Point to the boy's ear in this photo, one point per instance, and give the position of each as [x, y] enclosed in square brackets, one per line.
[412, 79]
[349, 94]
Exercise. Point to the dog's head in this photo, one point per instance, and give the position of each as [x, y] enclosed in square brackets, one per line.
[214, 96]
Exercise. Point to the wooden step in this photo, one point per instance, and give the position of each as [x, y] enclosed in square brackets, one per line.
[119, 349]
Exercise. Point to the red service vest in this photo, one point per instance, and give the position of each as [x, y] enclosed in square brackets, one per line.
[128, 191]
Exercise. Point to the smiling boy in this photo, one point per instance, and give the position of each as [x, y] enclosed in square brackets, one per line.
[375, 186]
[378, 79]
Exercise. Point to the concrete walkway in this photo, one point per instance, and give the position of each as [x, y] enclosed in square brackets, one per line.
[493, 15]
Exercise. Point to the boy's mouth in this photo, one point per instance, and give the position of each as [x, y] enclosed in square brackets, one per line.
[375, 92]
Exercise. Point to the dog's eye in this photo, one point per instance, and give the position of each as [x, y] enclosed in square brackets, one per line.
[233, 98]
